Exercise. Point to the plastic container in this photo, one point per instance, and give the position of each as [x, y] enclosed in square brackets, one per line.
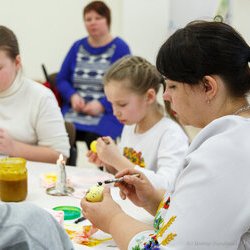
[13, 179]
[70, 212]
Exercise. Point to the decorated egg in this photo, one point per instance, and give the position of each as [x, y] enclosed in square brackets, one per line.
[93, 146]
[95, 193]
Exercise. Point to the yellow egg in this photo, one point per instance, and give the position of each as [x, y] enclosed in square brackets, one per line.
[93, 146]
[95, 193]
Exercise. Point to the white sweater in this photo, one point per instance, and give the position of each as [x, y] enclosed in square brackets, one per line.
[211, 200]
[162, 148]
[30, 114]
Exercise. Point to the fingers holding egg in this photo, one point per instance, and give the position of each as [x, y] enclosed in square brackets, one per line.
[95, 194]
[93, 146]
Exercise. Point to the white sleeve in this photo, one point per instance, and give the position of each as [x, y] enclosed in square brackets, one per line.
[135, 242]
[158, 237]
[50, 126]
[211, 202]
[202, 220]
[171, 152]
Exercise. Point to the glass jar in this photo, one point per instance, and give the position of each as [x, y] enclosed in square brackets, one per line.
[13, 179]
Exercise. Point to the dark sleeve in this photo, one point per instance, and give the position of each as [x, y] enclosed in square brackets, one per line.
[106, 104]
[122, 49]
[64, 76]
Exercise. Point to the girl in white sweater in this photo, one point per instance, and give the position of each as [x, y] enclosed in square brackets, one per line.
[151, 142]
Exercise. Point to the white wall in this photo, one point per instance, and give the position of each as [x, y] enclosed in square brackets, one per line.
[241, 18]
[46, 29]
[43, 29]
[182, 13]
[145, 26]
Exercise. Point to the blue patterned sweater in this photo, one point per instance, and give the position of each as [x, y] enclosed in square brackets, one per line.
[82, 72]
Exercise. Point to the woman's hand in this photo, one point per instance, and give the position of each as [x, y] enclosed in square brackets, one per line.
[7, 144]
[100, 214]
[77, 102]
[93, 108]
[139, 190]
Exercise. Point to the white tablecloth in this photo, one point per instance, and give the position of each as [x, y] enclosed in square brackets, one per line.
[81, 178]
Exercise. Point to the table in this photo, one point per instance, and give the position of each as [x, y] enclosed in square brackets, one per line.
[82, 178]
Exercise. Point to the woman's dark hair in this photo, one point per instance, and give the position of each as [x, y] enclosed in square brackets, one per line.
[8, 42]
[206, 48]
[99, 7]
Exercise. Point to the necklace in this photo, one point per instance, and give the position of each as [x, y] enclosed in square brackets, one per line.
[242, 109]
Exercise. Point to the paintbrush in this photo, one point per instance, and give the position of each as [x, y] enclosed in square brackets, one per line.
[114, 180]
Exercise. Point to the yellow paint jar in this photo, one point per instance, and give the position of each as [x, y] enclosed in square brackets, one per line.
[13, 179]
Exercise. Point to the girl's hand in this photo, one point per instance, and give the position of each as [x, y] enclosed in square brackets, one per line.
[110, 169]
[100, 214]
[108, 152]
[139, 190]
[7, 144]
[93, 158]
[77, 102]
[93, 108]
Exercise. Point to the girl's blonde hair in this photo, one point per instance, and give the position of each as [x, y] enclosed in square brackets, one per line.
[139, 73]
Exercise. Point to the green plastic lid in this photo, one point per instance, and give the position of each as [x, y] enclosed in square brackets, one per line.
[70, 212]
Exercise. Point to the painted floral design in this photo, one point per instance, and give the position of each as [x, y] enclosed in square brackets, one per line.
[159, 238]
[134, 156]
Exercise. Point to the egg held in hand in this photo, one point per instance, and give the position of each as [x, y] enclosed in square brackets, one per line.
[93, 146]
[95, 194]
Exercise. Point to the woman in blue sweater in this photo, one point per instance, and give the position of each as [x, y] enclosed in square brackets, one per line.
[80, 78]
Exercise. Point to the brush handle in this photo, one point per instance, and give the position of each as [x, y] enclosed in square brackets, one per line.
[118, 179]
[79, 220]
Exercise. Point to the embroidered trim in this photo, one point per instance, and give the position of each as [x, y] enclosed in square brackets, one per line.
[151, 242]
[166, 226]
[170, 237]
[135, 157]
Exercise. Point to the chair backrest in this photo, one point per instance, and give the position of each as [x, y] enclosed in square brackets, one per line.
[70, 128]
[51, 84]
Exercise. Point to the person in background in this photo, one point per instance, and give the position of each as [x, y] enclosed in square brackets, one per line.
[26, 226]
[31, 124]
[80, 78]
[151, 142]
[208, 78]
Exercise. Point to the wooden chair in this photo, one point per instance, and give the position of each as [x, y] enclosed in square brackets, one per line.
[70, 128]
